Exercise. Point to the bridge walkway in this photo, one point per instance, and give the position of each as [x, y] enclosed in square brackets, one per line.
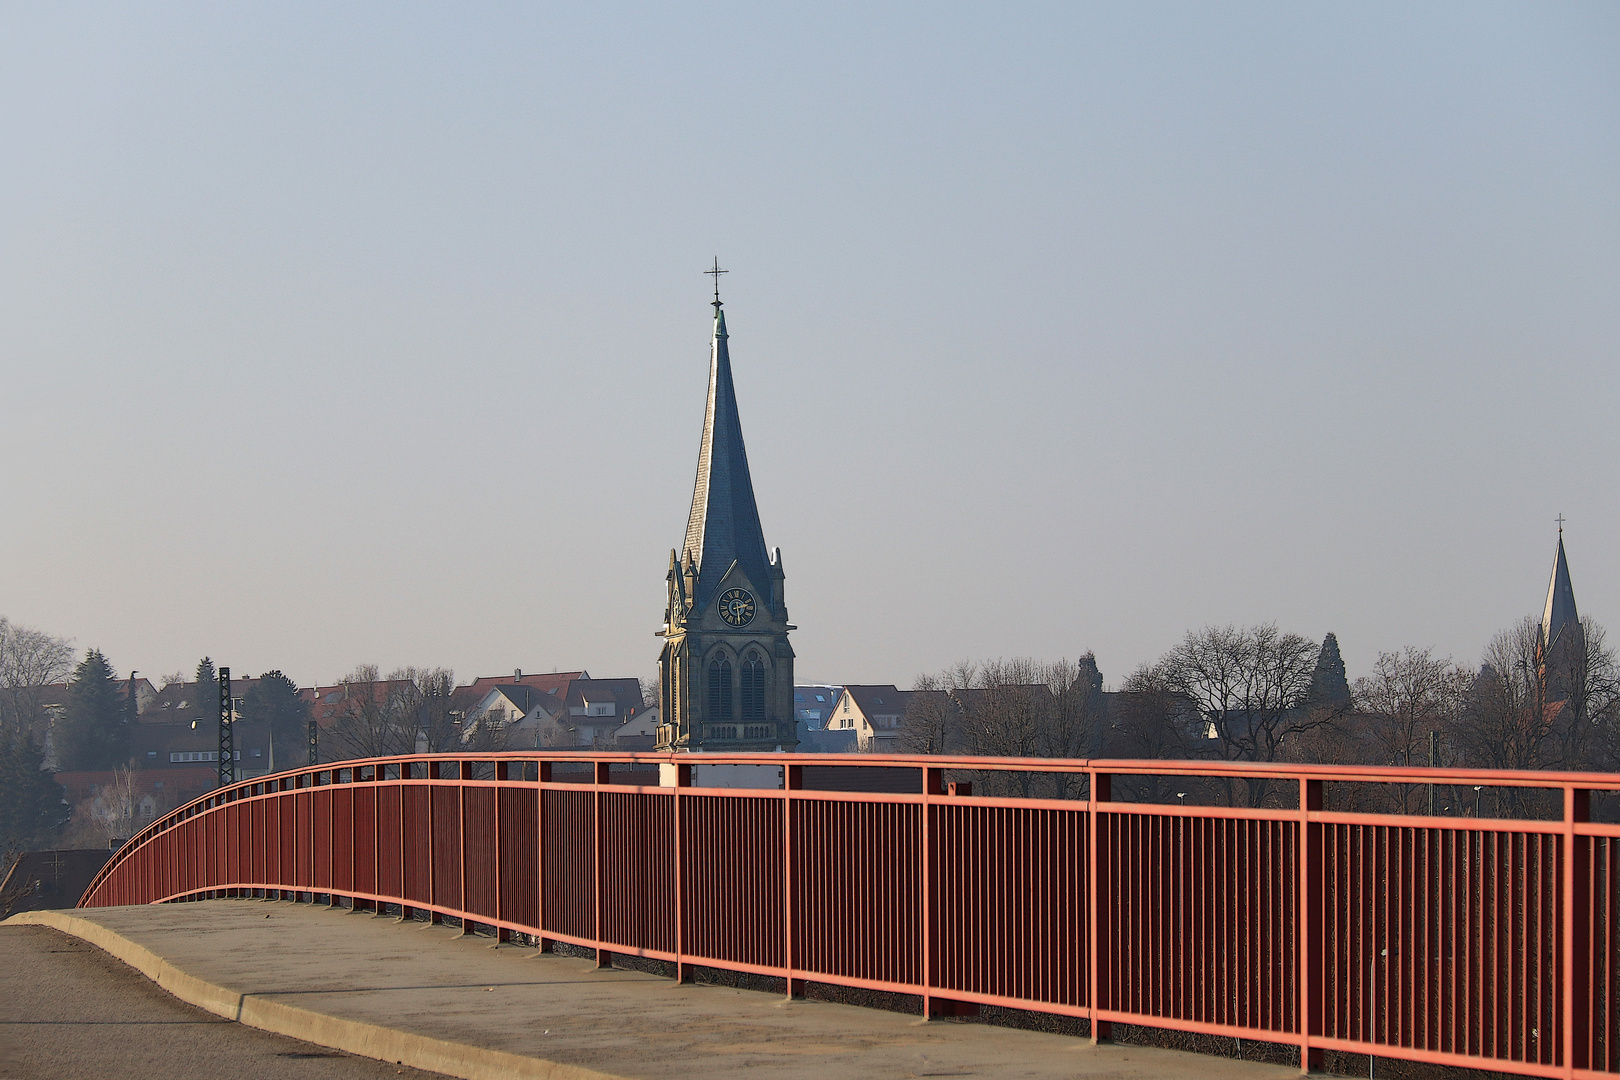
[423, 995]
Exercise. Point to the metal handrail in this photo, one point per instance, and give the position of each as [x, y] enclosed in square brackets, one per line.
[1460, 941]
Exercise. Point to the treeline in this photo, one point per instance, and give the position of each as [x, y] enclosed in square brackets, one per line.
[86, 725]
[1258, 694]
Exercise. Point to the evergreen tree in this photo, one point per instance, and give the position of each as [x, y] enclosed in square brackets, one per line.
[203, 706]
[274, 700]
[94, 730]
[1330, 689]
[31, 803]
[207, 689]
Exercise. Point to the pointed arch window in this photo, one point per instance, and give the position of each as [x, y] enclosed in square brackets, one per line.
[753, 687]
[720, 689]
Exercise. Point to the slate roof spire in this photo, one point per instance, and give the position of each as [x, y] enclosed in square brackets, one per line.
[724, 524]
[1559, 614]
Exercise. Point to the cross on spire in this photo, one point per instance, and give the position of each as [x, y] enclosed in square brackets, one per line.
[715, 273]
[1560, 524]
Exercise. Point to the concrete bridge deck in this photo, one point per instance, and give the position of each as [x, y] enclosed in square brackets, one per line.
[422, 995]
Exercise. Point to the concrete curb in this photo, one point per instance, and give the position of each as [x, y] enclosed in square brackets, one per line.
[350, 1036]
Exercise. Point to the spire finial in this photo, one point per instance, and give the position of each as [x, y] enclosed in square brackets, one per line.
[715, 273]
[1560, 526]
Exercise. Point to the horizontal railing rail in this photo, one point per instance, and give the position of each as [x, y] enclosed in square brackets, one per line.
[1456, 938]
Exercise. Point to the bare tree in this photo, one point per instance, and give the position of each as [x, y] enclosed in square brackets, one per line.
[1409, 694]
[1007, 711]
[375, 717]
[421, 698]
[932, 721]
[1249, 684]
[1506, 723]
[29, 661]
[109, 814]
[1150, 719]
[1007, 708]
[1587, 728]
[1411, 698]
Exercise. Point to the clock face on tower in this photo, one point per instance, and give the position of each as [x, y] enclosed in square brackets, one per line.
[737, 607]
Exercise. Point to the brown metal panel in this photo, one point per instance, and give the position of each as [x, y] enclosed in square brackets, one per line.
[519, 855]
[638, 843]
[444, 805]
[478, 838]
[386, 842]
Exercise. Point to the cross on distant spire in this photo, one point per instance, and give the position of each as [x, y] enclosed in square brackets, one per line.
[715, 273]
[1560, 524]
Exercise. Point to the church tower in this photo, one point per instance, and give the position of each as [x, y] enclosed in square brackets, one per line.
[1561, 652]
[726, 671]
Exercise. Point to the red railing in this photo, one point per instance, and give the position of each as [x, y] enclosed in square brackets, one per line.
[1469, 941]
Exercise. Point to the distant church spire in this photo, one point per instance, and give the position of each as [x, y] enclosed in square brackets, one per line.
[723, 526]
[725, 673]
[1559, 614]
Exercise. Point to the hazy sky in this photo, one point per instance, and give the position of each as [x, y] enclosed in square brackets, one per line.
[340, 333]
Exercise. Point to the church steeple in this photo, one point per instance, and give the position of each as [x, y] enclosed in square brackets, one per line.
[723, 526]
[1559, 613]
[726, 670]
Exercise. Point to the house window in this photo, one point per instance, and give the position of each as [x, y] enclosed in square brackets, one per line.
[753, 687]
[720, 689]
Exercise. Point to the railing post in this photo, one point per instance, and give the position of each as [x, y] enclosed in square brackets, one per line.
[405, 909]
[683, 779]
[933, 784]
[1101, 790]
[601, 776]
[1576, 944]
[542, 776]
[501, 932]
[354, 833]
[377, 773]
[792, 780]
[1308, 925]
[433, 855]
[331, 841]
[463, 775]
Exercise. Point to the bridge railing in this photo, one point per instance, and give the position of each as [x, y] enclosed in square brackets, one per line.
[1089, 889]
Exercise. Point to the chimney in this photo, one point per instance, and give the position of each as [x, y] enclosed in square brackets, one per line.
[517, 674]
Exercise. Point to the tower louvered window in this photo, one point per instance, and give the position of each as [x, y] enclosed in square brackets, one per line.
[753, 687]
[720, 689]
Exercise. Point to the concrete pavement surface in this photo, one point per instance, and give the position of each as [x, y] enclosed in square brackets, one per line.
[425, 996]
[68, 1011]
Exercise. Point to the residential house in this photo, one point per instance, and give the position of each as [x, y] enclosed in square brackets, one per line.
[123, 802]
[514, 716]
[179, 729]
[639, 732]
[568, 709]
[597, 708]
[813, 704]
[874, 713]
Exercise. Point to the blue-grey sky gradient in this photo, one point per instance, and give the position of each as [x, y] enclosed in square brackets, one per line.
[335, 333]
